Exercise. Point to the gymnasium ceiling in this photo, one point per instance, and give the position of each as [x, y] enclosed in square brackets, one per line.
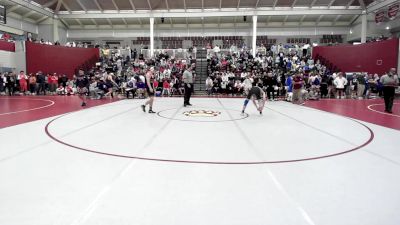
[78, 14]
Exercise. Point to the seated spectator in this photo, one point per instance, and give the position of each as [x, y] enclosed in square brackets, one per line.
[131, 87]
[166, 88]
[60, 90]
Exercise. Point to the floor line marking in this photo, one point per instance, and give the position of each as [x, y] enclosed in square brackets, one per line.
[28, 110]
[278, 185]
[49, 141]
[369, 107]
[366, 148]
[87, 213]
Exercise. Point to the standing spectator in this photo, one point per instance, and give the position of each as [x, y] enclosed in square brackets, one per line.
[131, 87]
[360, 85]
[390, 81]
[298, 84]
[63, 80]
[41, 80]
[32, 84]
[22, 82]
[289, 87]
[2, 83]
[209, 85]
[53, 81]
[271, 83]
[188, 84]
[340, 82]
[10, 83]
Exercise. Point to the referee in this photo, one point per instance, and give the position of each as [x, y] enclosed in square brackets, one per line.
[188, 82]
[390, 82]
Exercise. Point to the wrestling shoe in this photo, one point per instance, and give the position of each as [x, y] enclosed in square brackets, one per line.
[143, 108]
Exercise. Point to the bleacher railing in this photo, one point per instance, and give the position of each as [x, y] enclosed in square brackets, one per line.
[174, 53]
[185, 53]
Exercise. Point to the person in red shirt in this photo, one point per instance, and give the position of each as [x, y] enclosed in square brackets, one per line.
[298, 83]
[166, 88]
[53, 81]
[23, 85]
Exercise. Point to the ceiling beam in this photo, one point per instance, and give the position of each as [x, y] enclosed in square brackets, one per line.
[41, 19]
[331, 3]
[199, 13]
[294, 3]
[336, 19]
[115, 5]
[109, 22]
[166, 3]
[238, 4]
[50, 3]
[65, 23]
[184, 5]
[349, 4]
[256, 4]
[148, 2]
[319, 19]
[302, 19]
[220, 4]
[313, 3]
[13, 8]
[284, 20]
[58, 6]
[34, 7]
[275, 3]
[79, 22]
[362, 4]
[28, 14]
[98, 5]
[355, 17]
[81, 5]
[132, 5]
[124, 20]
[66, 6]
[94, 21]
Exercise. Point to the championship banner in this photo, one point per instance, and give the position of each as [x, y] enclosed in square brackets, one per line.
[392, 10]
[380, 16]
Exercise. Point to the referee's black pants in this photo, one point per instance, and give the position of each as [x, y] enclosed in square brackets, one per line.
[388, 96]
[188, 94]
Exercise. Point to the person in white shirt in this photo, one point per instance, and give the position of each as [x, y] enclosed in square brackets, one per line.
[209, 85]
[340, 82]
[247, 84]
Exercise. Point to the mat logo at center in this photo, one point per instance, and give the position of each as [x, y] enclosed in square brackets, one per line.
[201, 113]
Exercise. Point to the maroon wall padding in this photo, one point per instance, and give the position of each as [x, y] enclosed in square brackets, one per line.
[361, 58]
[59, 59]
[7, 46]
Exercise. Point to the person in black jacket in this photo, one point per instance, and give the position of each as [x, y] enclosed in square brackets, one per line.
[270, 83]
[41, 81]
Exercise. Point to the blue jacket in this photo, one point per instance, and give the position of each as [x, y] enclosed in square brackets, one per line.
[289, 83]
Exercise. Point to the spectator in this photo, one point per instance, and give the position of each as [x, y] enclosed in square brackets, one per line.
[23, 85]
[390, 82]
[340, 82]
